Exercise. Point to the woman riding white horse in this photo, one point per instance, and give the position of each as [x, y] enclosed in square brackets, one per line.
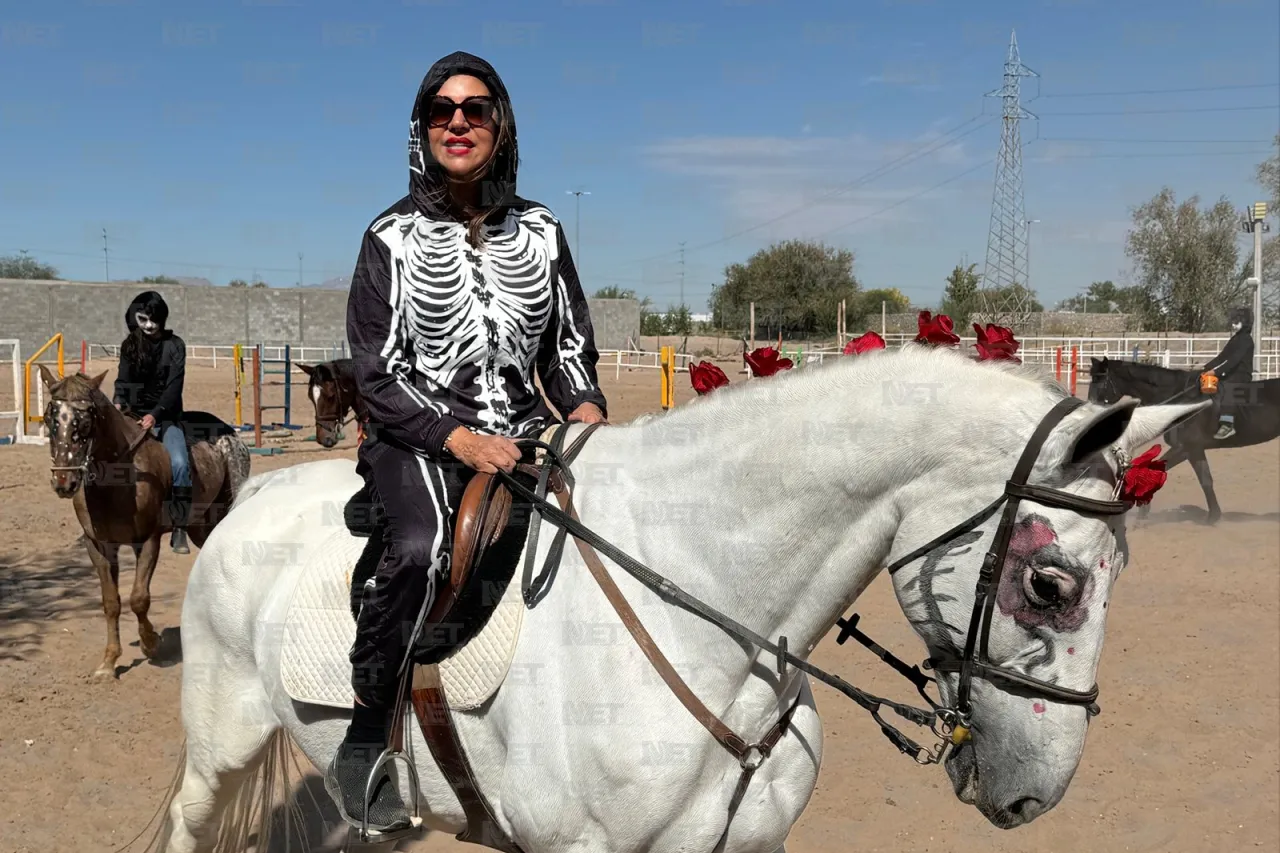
[462, 290]
[776, 501]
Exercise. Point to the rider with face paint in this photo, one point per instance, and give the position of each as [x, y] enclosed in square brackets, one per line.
[149, 384]
[1234, 364]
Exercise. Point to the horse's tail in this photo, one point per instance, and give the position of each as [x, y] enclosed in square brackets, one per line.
[235, 456]
[263, 805]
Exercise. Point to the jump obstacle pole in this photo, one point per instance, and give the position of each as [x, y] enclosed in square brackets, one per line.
[1074, 367]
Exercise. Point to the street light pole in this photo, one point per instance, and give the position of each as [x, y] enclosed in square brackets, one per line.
[577, 227]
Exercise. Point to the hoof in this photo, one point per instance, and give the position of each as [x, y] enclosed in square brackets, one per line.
[104, 673]
[150, 646]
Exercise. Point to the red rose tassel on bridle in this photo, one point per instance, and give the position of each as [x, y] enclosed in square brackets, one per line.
[996, 343]
[1143, 477]
[706, 377]
[864, 343]
[936, 331]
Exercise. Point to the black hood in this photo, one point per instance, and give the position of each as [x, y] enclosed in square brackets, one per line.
[150, 303]
[1243, 316]
[427, 185]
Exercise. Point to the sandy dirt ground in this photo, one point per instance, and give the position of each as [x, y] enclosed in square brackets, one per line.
[1184, 757]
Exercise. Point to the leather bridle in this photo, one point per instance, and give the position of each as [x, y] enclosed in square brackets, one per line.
[950, 724]
[975, 661]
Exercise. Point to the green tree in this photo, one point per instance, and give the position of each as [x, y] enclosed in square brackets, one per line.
[1268, 176]
[259, 283]
[614, 292]
[868, 305]
[1187, 262]
[796, 286]
[960, 298]
[157, 279]
[678, 320]
[1106, 297]
[237, 282]
[24, 266]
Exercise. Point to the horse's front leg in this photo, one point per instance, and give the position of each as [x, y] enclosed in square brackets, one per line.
[106, 559]
[1175, 457]
[147, 554]
[1201, 466]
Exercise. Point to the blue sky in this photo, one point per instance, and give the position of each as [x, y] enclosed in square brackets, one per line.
[222, 139]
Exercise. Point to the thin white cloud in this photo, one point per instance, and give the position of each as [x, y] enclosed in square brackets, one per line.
[754, 178]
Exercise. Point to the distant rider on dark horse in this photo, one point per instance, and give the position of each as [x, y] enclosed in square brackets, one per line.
[152, 370]
[1233, 365]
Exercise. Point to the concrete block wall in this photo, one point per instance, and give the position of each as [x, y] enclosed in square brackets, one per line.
[34, 311]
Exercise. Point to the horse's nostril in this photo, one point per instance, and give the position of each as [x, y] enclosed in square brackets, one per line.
[1027, 807]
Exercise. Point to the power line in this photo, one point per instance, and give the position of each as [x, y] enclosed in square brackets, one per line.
[878, 172]
[1157, 91]
[911, 197]
[1153, 141]
[1135, 155]
[1171, 110]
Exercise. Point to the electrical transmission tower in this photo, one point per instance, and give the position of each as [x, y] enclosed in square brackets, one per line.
[1006, 294]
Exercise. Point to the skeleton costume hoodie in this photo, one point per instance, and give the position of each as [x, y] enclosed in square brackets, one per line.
[444, 335]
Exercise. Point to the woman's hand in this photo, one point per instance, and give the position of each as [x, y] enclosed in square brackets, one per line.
[147, 422]
[587, 413]
[484, 453]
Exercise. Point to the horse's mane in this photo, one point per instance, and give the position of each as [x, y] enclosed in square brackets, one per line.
[842, 375]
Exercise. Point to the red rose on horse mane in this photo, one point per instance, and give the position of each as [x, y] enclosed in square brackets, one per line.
[996, 343]
[706, 377]
[765, 361]
[864, 343]
[936, 331]
[1143, 477]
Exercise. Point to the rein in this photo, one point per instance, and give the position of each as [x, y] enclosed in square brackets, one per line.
[950, 724]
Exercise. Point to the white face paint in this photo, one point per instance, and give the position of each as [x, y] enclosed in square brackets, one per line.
[145, 323]
[1235, 327]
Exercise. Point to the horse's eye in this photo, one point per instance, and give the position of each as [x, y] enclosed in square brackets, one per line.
[1049, 588]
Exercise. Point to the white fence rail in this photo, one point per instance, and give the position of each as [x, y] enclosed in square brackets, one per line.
[16, 415]
[1187, 353]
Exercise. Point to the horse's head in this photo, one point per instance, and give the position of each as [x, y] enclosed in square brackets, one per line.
[1101, 382]
[1041, 619]
[72, 420]
[325, 389]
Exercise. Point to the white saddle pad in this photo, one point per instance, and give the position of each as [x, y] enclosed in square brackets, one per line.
[319, 630]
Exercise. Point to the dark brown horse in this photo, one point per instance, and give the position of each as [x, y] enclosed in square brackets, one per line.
[117, 477]
[332, 390]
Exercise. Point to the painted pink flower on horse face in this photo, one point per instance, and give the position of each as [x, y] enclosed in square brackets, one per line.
[936, 331]
[706, 377]
[1144, 477]
[864, 343]
[765, 361]
[1032, 547]
[996, 343]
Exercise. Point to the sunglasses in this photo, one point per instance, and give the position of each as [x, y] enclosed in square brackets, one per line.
[476, 110]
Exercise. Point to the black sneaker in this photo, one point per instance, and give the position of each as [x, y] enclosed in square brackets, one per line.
[346, 781]
[178, 541]
[1224, 431]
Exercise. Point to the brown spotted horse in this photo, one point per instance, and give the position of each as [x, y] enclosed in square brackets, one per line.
[117, 478]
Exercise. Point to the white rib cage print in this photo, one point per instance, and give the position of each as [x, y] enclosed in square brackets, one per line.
[476, 311]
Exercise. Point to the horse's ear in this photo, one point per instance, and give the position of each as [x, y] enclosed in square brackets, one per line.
[1100, 429]
[307, 369]
[1150, 422]
[96, 381]
[46, 375]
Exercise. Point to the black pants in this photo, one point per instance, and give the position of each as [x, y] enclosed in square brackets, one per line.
[419, 497]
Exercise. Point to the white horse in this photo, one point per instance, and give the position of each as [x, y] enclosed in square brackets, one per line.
[777, 502]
